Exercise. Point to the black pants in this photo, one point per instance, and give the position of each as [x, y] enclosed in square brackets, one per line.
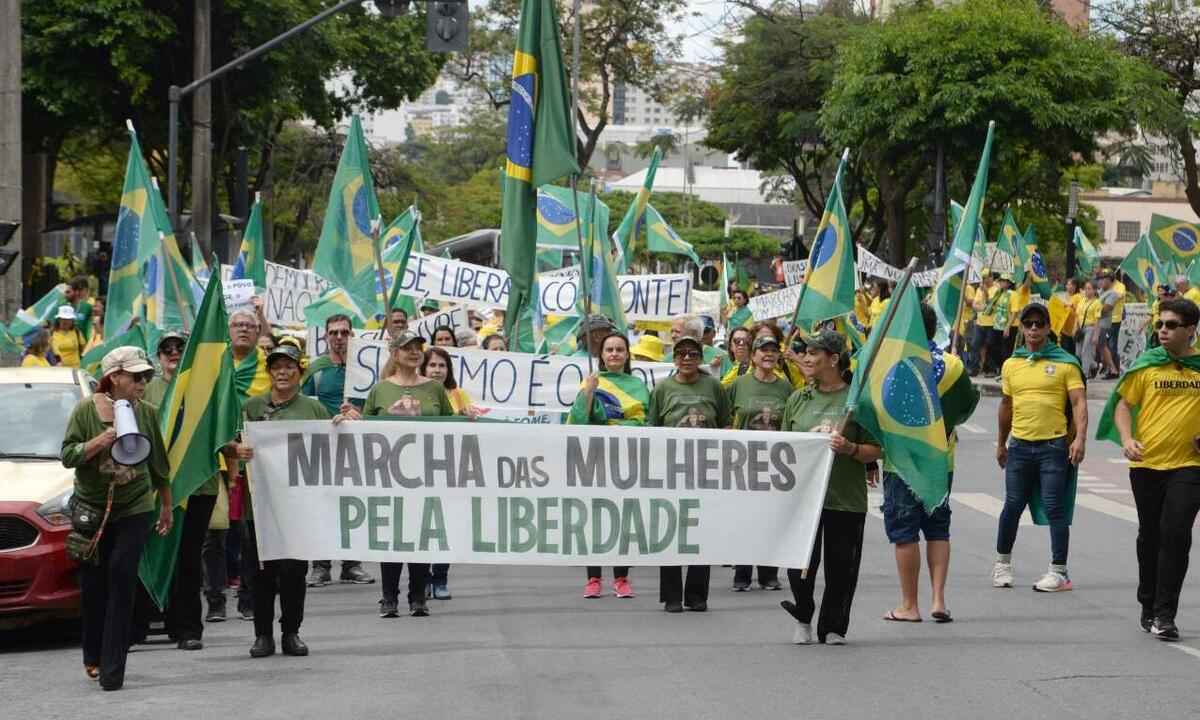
[1167, 503]
[594, 571]
[247, 554]
[742, 574]
[439, 574]
[284, 578]
[185, 618]
[841, 533]
[216, 572]
[671, 586]
[107, 595]
[418, 578]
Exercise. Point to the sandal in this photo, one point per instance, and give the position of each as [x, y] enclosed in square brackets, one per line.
[942, 617]
[92, 671]
[893, 617]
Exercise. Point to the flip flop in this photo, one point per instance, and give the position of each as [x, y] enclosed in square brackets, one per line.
[942, 617]
[893, 617]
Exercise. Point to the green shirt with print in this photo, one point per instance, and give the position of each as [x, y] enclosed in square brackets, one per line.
[758, 405]
[299, 407]
[134, 485]
[810, 410]
[699, 404]
[427, 399]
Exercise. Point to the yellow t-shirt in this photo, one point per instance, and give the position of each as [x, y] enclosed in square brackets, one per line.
[1118, 311]
[980, 303]
[67, 345]
[31, 360]
[1168, 402]
[1193, 295]
[1089, 310]
[1038, 390]
[878, 308]
[1017, 300]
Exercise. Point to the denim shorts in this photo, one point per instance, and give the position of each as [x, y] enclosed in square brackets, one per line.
[905, 518]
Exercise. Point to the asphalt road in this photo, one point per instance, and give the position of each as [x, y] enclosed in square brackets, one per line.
[523, 643]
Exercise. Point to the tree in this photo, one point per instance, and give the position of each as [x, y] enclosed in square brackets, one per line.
[766, 105]
[668, 142]
[706, 233]
[625, 42]
[1166, 35]
[938, 75]
[90, 64]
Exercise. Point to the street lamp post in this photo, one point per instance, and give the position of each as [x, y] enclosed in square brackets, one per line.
[1072, 211]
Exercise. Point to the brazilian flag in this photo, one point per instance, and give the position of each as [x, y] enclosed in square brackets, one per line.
[947, 293]
[626, 233]
[894, 397]
[251, 263]
[400, 240]
[1035, 266]
[199, 414]
[829, 279]
[662, 238]
[540, 145]
[1175, 238]
[620, 399]
[1143, 267]
[334, 301]
[1087, 258]
[1011, 242]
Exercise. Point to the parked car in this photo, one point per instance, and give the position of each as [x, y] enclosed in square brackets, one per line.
[37, 580]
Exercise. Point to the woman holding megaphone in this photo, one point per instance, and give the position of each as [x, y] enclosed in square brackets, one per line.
[114, 444]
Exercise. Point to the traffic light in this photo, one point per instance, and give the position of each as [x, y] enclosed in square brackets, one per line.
[446, 26]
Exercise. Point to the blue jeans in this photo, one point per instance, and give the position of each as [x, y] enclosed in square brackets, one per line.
[1032, 463]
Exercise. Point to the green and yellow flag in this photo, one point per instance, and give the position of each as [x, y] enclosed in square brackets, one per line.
[334, 301]
[400, 240]
[199, 415]
[251, 263]
[894, 397]
[662, 238]
[1087, 258]
[829, 279]
[947, 293]
[1035, 266]
[1143, 266]
[1174, 238]
[625, 235]
[346, 252]
[598, 278]
[1011, 242]
[540, 145]
[32, 317]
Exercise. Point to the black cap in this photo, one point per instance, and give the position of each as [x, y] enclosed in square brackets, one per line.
[596, 321]
[170, 335]
[829, 341]
[288, 351]
[1032, 308]
[764, 341]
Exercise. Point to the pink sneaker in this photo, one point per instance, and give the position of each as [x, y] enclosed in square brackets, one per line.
[622, 588]
[592, 589]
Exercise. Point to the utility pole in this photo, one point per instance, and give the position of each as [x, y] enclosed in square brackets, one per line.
[1072, 211]
[10, 149]
[937, 231]
[202, 201]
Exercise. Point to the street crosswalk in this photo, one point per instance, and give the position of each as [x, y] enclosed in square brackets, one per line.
[1091, 498]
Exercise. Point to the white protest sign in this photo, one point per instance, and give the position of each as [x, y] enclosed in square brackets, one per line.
[775, 304]
[497, 493]
[454, 317]
[497, 379]
[1132, 339]
[793, 271]
[707, 302]
[288, 292]
[318, 344]
[869, 264]
[239, 295]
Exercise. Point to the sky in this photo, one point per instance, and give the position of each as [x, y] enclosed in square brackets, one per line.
[700, 33]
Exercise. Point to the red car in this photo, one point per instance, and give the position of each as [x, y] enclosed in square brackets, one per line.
[37, 580]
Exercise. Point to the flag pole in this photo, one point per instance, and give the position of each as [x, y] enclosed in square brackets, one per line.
[962, 293]
[865, 368]
[376, 229]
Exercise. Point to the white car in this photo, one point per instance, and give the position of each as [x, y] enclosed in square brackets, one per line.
[37, 580]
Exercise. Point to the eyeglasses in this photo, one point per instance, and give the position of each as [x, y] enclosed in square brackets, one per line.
[338, 333]
[142, 377]
[689, 355]
[244, 326]
[1168, 324]
[1033, 324]
[741, 341]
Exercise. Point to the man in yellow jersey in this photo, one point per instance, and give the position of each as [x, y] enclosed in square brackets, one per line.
[1181, 287]
[1118, 314]
[1155, 410]
[1038, 383]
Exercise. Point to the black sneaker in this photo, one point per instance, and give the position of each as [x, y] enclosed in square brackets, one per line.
[674, 607]
[771, 585]
[1147, 620]
[355, 575]
[418, 608]
[699, 606]
[216, 613]
[741, 587]
[389, 608]
[247, 614]
[1164, 629]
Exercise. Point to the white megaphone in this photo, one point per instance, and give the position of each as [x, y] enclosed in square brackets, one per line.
[131, 447]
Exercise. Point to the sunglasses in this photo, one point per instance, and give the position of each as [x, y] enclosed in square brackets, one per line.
[1032, 324]
[142, 377]
[338, 333]
[1168, 324]
[172, 349]
[689, 355]
[741, 341]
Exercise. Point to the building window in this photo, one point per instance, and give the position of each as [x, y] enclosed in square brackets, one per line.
[1128, 231]
[1100, 225]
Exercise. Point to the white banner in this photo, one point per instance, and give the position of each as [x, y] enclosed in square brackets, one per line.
[453, 317]
[1132, 339]
[644, 297]
[793, 271]
[529, 417]
[775, 304]
[512, 380]
[317, 345]
[456, 492]
[869, 264]
[288, 292]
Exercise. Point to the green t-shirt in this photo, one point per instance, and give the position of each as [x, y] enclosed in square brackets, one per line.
[426, 399]
[700, 404]
[1001, 303]
[758, 405]
[810, 410]
[83, 311]
[326, 382]
[134, 492]
[299, 407]
[156, 392]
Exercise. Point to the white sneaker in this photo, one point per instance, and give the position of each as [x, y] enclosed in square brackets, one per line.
[1053, 581]
[803, 634]
[834, 639]
[1002, 574]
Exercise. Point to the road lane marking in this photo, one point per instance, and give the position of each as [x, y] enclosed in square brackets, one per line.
[1110, 491]
[987, 504]
[1093, 484]
[1194, 652]
[973, 429]
[1118, 461]
[1112, 508]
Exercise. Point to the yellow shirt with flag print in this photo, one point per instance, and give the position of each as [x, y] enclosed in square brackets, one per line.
[1168, 401]
[1038, 389]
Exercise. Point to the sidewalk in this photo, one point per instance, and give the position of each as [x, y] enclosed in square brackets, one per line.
[1096, 389]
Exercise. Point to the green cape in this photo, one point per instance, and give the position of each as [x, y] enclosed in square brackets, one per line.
[1154, 357]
